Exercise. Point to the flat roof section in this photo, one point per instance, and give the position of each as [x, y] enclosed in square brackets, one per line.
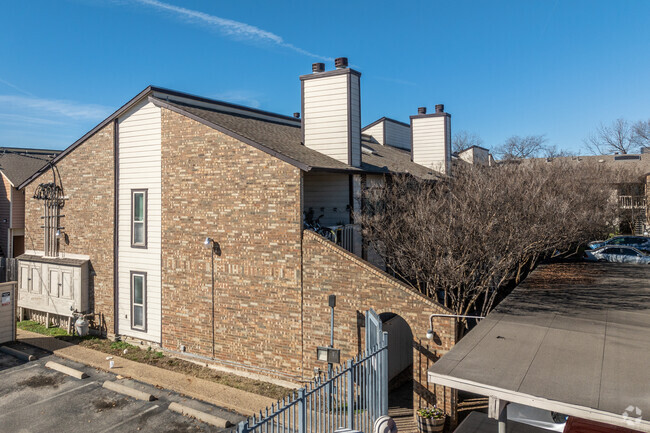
[572, 338]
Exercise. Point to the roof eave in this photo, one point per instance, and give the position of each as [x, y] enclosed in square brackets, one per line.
[76, 144]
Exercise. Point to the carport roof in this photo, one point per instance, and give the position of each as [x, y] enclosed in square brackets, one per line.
[573, 338]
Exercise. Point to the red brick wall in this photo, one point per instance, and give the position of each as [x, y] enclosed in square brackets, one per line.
[359, 286]
[249, 202]
[87, 175]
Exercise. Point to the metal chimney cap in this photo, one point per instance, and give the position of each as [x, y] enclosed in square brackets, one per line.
[341, 62]
[318, 67]
[440, 108]
[296, 115]
[422, 110]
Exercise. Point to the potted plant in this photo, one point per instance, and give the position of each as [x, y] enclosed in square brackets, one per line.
[431, 419]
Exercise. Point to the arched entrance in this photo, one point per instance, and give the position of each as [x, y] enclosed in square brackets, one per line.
[400, 370]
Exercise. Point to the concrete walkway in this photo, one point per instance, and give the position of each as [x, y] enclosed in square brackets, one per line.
[220, 395]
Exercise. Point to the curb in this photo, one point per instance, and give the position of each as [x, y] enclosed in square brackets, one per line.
[66, 370]
[123, 389]
[17, 353]
[201, 416]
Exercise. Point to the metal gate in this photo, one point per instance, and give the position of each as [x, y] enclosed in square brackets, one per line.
[352, 395]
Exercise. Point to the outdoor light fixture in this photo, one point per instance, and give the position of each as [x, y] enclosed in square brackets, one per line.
[430, 332]
[328, 354]
[58, 234]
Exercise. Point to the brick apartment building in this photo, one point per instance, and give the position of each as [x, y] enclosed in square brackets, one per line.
[16, 165]
[119, 231]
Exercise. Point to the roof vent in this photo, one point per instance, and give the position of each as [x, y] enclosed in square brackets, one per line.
[422, 110]
[341, 62]
[317, 67]
[296, 115]
[440, 108]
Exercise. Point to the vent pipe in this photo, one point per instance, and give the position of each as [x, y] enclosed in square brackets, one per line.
[341, 62]
[440, 108]
[422, 110]
[317, 67]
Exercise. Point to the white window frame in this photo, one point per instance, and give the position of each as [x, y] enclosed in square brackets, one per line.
[144, 194]
[142, 327]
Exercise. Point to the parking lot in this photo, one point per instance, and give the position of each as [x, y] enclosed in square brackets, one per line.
[34, 398]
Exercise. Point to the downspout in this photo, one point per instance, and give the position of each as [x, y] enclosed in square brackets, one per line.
[116, 220]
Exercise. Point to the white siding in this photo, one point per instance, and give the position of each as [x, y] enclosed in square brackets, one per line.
[328, 119]
[140, 168]
[328, 191]
[376, 132]
[398, 135]
[431, 147]
[355, 120]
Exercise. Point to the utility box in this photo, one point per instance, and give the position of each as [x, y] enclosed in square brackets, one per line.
[53, 285]
[7, 312]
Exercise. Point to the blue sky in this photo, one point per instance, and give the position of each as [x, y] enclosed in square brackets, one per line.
[501, 68]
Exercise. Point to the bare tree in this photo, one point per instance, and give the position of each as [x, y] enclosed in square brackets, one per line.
[517, 147]
[642, 133]
[619, 137]
[463, 240]
[552, 151]
[464, 140]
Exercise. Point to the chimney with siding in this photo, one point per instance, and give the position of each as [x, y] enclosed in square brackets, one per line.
[431, 139]
[331, 111]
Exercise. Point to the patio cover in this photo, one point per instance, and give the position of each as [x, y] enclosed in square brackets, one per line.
[573, 338]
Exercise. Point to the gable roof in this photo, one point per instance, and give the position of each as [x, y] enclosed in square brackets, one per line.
[275, 134]
[18, 165]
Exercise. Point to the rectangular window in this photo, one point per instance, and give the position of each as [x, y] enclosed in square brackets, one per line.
[139, 301]
[139, 218]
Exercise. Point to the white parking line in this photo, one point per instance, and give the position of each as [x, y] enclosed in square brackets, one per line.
[10, 370]
[129, 419]
[46, 399]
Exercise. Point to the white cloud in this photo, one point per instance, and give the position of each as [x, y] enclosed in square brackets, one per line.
[243, 97]
[41, 106]
[234, 29]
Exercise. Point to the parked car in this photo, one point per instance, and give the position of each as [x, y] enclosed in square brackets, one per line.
[640, 242]
[618, 254]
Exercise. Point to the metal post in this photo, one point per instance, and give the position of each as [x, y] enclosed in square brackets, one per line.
[241, 427]
[503, 420]
[302, 412]
[350, 377]
[212, 272]
[384, 374]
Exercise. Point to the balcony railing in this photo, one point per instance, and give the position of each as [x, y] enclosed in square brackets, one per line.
[345, 236]
[631, 202]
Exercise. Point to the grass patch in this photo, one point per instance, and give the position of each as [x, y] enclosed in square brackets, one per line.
[157, 358]
[29, 325]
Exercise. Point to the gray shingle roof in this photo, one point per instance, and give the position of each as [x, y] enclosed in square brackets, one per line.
[19, 164]
[286, 140]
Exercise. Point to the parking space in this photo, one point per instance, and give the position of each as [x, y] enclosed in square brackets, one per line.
[37, 399]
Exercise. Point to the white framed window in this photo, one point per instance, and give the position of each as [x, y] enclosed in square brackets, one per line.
[139, 218]
[139, 301]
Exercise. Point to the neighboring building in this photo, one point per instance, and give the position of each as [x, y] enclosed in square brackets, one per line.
[476, 155]
[632, 192]
[136, 197]
[16, 165]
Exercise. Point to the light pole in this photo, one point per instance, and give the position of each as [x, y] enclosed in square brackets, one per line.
[214, 249]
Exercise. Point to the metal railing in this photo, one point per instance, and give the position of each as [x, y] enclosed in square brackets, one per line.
[353, 397]
[345, 235]
[631, 201]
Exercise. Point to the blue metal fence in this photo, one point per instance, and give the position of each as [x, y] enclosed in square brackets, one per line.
[351, 396]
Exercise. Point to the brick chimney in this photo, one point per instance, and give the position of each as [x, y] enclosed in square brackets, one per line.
[431, 139]
[331, 112]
